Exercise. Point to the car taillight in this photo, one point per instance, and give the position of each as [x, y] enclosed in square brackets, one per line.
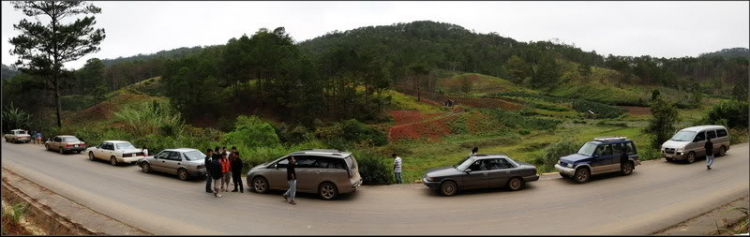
[69, 145]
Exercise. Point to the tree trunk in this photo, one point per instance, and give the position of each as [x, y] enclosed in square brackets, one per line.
[57, 101]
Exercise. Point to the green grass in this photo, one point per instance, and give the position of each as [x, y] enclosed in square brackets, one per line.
[400, 101]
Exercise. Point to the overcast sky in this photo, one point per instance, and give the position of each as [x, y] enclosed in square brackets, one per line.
[661, 29]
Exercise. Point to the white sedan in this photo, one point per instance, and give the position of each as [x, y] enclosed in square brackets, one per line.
[116, 152]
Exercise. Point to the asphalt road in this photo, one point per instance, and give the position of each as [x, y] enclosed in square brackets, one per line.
[656, 196]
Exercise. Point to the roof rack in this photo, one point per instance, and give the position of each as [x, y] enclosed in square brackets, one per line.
[603, 139]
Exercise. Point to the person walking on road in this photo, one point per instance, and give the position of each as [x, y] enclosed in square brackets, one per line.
[236, 164]
[709, 153]
[216, 175]
[225, 172]
[397, 167]
[207, 162]
[291, 177]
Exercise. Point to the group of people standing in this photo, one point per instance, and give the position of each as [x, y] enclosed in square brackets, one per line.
[221, 166]
[36, 137]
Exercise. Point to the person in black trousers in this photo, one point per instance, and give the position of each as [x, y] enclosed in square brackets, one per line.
[237, 165]
[624, 157]
[207, 163]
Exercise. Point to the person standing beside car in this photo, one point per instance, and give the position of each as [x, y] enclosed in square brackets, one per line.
[397, 167]
[624, 157]
[236, 164]
[291, 177]
[216, 175]
[709, 153]
[225, 172]
[207, 163]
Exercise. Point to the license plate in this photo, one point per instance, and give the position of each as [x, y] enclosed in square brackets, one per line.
[76, 145]
[669, 155]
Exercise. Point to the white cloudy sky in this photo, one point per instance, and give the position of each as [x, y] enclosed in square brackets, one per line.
[662, 29]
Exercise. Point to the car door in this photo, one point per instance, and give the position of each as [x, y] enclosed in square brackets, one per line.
[105, 151]
[723, 138]
[500, 171]
[277, 175]
[308, 174]
[698, 144]
[716, 144]
[172, 162]
[156, 163]
[601, 161]
[475, 177]
[55, 143]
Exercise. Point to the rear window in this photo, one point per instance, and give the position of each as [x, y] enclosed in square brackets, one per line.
[351, 162]
[721, 132]
[71, 139]
[194, 155]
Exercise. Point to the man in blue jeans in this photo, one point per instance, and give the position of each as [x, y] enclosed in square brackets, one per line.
[207, 164]
[709, 153]
[291, 177]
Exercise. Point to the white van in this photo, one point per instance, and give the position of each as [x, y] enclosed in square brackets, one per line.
[689, 143]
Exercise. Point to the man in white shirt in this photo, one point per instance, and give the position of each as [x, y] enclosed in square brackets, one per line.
[397, 167]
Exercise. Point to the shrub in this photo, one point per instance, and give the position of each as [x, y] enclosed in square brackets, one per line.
[738, 135]
[524, 132]
[735, 113]
[14, 118]
[153, 119]
[252, 132]
[374, 168]
[661, 126]
[558, 149]
[294, 135]
[649, 153]
[344, 135]
[613, 124]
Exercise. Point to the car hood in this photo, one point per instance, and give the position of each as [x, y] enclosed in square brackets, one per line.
[442, 171]
[573, 158]
[675, 144]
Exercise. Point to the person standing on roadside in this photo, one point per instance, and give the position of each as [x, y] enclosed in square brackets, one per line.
[33, 137]
[145, 151]
[216, 175]
[236, 164]
[709, 153]
[39, 137]
[291, 177]
[207, 163]
[474, 151]
[624, 157]
[225, 172]
[397, 167]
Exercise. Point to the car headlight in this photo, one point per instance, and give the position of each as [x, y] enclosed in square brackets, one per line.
[681, 149]
[570, 165]
[431, 179]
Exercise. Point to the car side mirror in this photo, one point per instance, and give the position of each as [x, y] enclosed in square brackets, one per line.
[467, 171]
[276, 166]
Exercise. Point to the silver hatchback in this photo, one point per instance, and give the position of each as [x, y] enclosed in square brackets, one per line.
[184, 162]
[325, 172]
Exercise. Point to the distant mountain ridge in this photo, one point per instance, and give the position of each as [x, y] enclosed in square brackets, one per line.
[729, 53]
[172, 53]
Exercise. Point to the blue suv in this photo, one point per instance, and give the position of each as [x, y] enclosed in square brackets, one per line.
[602, 155]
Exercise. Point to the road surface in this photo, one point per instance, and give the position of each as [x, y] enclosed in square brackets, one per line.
[656, 196]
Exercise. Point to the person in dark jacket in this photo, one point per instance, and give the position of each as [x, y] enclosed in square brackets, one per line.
[207, 163]
[709, 153]
[237, 165]
[216, 175]
[624, 157]
[291, 177]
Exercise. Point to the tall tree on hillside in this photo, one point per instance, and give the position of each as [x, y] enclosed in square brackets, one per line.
[547, 74]
[90, 76]
[661, 126]
[42, 49]
[466, 85]
[418, 72]
[584, 68]
[519, 69]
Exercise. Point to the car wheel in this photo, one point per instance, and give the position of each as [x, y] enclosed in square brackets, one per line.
[260, 185]
[113, 161]
[722, 151]
[515, 184]
[91, 156]
[60, 149]
[78, 152]
[327, 191]
[46, 147]
[145, 167]
[582, 175]
[627, 168]
[690, 158]
[182, 174]
[448, 188]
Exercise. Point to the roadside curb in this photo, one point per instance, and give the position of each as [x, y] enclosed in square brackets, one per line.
[58, 215]
[706, 223]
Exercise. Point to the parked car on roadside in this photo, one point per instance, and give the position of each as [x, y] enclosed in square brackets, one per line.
[65, 143]
[689, 143]
[602, 155]
[18, 135]
[115, 152]
[186, 163]
[480, 171]
[325, 172]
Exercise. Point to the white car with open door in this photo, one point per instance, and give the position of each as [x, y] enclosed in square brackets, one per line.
[116, 152]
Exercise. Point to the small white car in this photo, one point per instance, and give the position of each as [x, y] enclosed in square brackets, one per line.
[115, 152]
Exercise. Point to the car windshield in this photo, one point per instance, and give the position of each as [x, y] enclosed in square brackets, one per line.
[683, 136]
[124, 146]
[465, 163]
[71, 139]
[587, 149]
[194, 155]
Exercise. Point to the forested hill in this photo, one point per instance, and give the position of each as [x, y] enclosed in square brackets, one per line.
[729, 53]
[8, 72]
[167, 54]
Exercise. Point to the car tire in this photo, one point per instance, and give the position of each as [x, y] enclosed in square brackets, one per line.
[145, 167]
[113, 161]
[690, 157]
[328, 191]
[78, 152]
[515, 184]
[91, 156]
[448, 188]
[722, 151]
[582, 175]
[46, 147]
[60, 149]
[627, 168]
[182, 174]
[260, 185]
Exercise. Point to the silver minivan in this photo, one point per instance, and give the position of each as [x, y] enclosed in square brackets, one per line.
[325, 172]
[689, 143]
